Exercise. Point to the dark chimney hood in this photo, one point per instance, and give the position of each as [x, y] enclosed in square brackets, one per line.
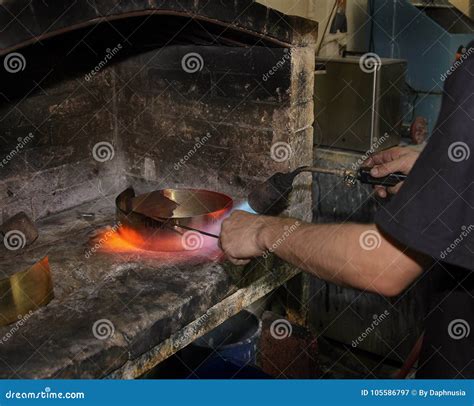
[23, 22]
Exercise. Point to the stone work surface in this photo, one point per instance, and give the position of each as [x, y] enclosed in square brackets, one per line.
[143, 297]
[118, 313]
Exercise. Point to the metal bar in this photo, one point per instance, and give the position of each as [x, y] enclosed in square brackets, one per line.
[198, 231]
[328, 171]
[166, 223]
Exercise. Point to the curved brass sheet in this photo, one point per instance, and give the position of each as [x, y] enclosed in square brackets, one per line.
[25, 291]
[180, 203]
[156, 217]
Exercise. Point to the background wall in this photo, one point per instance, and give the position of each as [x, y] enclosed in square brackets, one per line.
[466, 6]
[320, 10]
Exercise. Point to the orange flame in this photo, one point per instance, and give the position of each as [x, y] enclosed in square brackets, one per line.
[124, 240]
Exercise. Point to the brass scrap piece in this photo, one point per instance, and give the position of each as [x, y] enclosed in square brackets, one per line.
[25, 291]
[18, 231]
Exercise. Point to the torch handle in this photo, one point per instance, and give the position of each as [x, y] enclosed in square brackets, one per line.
[364, 176]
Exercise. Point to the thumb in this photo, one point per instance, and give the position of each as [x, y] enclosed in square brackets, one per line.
[385, 169]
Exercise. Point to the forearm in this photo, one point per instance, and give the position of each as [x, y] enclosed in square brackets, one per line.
[356, 255]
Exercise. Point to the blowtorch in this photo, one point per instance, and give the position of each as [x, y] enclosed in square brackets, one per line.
[272, 196]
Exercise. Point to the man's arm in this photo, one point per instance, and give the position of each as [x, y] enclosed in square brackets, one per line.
[354, 255]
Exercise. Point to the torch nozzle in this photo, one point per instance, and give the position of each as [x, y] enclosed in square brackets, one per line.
[272, 196]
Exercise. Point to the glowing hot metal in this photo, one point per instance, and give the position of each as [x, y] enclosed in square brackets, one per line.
[158, 219]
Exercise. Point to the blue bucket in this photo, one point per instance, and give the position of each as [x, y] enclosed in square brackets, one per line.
[234, 340]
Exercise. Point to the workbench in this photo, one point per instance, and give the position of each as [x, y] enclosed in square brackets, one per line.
[150, 305]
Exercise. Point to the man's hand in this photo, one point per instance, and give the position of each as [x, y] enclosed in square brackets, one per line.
[240, 235]
[397, 159]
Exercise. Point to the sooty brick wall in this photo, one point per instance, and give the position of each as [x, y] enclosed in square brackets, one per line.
[244, 113]
[224, 127]
[46, 145]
